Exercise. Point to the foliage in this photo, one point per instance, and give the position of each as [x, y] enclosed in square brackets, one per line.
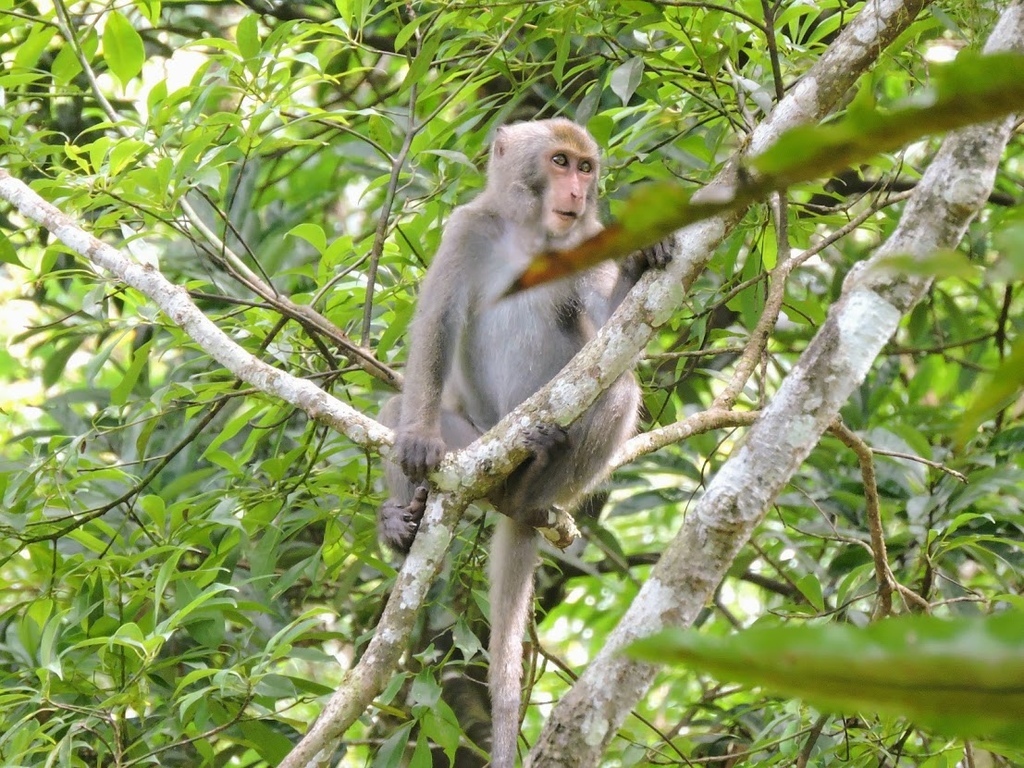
[188, 566]
[971, 90]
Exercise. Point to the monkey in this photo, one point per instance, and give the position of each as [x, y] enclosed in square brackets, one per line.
[474, 356]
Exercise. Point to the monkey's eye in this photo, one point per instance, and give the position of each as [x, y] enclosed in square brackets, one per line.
[586, 166]
[560, 160]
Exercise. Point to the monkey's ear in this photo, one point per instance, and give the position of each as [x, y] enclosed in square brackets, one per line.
[500, 141]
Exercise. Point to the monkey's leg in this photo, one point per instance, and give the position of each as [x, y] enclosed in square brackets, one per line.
[544, 441]
[517, 498]
[575, 466]
[399, 517]
[599, 432]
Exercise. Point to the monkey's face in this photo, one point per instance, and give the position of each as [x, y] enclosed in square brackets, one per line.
[570, 177]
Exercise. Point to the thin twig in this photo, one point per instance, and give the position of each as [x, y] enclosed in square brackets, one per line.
[887, 582]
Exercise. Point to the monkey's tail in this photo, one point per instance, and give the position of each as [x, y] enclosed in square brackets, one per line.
[512, 564]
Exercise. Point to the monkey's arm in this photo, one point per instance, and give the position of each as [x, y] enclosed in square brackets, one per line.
[440, 314]
[419, 447]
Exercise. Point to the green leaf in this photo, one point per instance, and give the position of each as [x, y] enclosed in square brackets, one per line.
[810, 587]
[208, 596]
[423, 62]
[269, 744]
[31, 625]
[311, 233]
[66, 65]
[997, 393]
[129, 634]
[124, 152]
[53, 368]
[963, 677]
[140, 359]
[626, 78]
[122, 48]
[150, 9]
[421, 753]
[391, 751]
[248, 36]
[28, 51]
[562, 44]
[49, 653]
[442, 727]
[7, 253]
[405, 33]
[425, 690]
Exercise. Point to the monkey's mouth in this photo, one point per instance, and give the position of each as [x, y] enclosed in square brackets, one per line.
[567, 214]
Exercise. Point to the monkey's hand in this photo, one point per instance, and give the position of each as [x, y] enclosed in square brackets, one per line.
[659, 255]
[655, 256]
[397, 523]
[418, 453]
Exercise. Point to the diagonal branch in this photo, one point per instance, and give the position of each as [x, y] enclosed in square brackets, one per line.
[175, 302]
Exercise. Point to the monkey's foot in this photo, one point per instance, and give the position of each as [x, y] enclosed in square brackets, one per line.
[544, 440]
[397, 523]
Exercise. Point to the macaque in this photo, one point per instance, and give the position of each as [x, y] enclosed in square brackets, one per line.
[474, 356]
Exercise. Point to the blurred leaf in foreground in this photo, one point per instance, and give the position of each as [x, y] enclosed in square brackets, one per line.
[997, 393]
[973, 89]
[962, 677]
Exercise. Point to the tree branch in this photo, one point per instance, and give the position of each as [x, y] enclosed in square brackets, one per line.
[886, 579]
